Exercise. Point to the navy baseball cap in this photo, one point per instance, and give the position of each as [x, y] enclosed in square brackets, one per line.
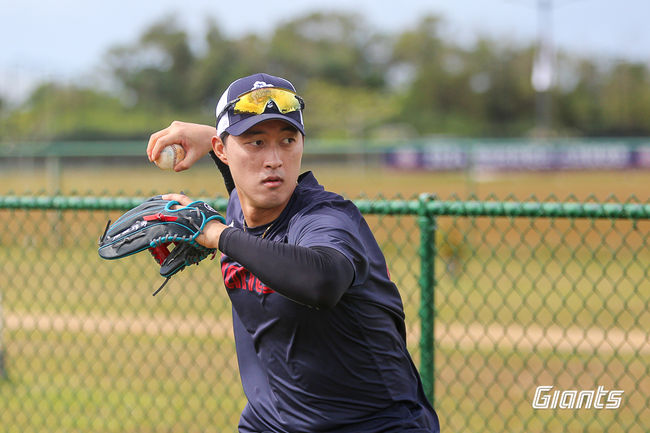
[236, 122]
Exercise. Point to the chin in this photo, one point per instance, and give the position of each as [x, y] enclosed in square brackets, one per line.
[272, 200]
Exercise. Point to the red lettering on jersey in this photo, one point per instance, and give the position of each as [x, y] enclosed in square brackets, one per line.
[230, 277]
[250, 282]
[238, 277]
[260, 287]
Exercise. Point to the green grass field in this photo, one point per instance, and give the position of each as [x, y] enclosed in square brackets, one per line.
[350, 180]
[519, 303]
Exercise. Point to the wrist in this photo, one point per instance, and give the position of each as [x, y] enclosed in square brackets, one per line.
[198, 137]
[211, 234]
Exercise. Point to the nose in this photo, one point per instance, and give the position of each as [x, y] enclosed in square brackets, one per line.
[273, 159]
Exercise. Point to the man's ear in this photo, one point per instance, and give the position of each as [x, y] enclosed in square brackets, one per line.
[219, 157]
[218, 147]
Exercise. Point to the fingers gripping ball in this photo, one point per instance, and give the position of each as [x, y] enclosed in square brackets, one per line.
[154, 226]
[170, 156]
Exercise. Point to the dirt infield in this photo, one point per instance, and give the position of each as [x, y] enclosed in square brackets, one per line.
[530, 338]
[123, 324]
[456, 335]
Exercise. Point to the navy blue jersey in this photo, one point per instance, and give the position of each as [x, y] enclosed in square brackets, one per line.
[343, 369]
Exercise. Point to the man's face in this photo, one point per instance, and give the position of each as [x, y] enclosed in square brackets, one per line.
[265, 163]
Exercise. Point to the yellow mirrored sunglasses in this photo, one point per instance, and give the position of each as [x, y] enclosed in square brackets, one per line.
[258, 100]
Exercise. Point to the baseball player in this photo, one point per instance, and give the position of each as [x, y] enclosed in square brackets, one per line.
[318, 324]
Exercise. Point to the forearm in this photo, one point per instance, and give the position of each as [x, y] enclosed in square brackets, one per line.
[316, 276]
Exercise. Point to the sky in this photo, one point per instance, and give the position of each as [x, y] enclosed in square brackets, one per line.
[66, 39]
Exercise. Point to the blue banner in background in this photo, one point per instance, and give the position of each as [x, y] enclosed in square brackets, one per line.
[572, 155]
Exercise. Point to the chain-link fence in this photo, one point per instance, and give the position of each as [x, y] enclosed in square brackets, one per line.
[524, 294]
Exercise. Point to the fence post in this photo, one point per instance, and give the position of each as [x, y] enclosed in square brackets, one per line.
[427, 251]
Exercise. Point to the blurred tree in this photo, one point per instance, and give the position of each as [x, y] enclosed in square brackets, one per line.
[422, 51]
[481, 90]
[224, 61]
[334, 111]
[333, 47]
[56, 111]
[157, 68]
[608, 100]
[357, 84]
[626, 100]
[510, 97]
[579, 109]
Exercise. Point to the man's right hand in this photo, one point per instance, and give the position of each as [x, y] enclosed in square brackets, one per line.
[195, 139]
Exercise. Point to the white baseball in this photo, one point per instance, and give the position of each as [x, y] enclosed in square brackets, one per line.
[170, 156]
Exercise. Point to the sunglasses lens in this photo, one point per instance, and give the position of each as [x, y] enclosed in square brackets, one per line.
[256, 101]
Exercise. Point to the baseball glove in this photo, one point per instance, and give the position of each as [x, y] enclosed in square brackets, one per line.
[154, 225]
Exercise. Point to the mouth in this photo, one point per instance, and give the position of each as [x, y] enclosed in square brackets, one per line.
[272, 181]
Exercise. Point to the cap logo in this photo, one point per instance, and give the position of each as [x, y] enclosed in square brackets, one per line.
[260, 84]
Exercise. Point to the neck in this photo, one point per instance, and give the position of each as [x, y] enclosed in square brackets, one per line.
[257, 217]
